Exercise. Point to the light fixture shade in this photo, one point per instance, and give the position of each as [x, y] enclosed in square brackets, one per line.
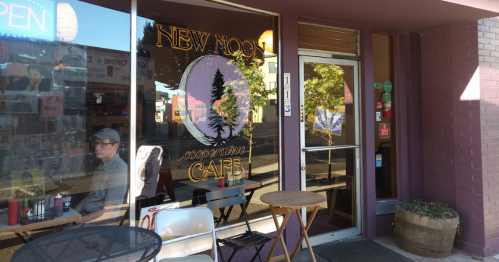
[268, 38]
[67, 22]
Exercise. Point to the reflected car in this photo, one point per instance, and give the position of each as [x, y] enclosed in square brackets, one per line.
[202, 118]
[218, 119]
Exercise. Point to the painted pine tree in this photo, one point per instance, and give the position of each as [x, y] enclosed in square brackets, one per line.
[217, 91]
[217, 88]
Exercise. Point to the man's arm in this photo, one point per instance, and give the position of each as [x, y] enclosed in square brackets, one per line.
[94, 215]
[80, 205]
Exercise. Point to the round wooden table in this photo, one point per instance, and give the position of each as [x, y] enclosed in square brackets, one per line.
[285, 203]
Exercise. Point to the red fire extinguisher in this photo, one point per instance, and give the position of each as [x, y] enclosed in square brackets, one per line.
[387, 104]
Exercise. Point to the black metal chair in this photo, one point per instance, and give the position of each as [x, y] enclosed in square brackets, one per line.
[228, 198]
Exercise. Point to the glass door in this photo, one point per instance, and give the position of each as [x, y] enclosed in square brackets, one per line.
[330, 145]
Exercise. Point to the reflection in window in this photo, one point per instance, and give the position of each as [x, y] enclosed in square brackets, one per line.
[60, 87]
[386, 170]
[330, 115]
[209, 107]
[272, 67]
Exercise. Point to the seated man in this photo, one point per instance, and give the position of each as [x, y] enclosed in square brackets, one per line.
[109, 181]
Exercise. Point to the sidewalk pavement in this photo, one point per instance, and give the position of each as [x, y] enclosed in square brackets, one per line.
[382, 249]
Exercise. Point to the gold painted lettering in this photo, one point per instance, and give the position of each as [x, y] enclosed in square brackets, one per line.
[186, 156]
[236, 162]
[242, 150]
[191, 172]
[226, 164]
[199, 155]
[229, 45]
[211, 169]
[162, 32]
[206, 153]
[199, 39]
[222, 40]
[182, 39]
[212, 153]
[258, 48]
[251, 48]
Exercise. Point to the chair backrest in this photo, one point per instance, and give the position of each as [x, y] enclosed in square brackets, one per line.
[184, 222]
[228, 197]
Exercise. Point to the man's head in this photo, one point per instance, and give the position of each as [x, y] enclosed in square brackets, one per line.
[106, 143]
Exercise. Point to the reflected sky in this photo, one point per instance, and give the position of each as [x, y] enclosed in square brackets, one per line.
[103, 27]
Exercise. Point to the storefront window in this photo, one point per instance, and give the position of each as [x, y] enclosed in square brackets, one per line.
[64, 77]
[384, 94]
[207, 101]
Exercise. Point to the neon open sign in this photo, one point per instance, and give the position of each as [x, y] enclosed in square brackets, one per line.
[27, 18]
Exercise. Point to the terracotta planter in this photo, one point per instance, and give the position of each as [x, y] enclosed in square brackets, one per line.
[425, 236]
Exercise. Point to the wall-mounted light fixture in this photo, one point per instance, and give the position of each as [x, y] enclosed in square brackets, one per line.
[266, 41]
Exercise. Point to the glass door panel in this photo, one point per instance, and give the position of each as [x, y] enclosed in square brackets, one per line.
[329, 143]
[331, 173]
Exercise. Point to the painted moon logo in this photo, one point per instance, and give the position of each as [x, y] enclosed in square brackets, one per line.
[214, 100]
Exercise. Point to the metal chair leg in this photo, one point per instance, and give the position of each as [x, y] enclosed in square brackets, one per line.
[257, 253]
[231, 256]
[220, 252]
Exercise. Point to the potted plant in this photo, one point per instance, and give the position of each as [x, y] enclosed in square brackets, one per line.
[426, 228]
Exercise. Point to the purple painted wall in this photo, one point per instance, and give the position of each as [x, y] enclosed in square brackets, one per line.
[290, 153]
[367, 139]
[488, 47]
[414, 129]
[438, 136]
[452, 136]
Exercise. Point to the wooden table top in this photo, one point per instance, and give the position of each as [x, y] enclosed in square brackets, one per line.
[293, 199]
[66, 218]
[212, 184]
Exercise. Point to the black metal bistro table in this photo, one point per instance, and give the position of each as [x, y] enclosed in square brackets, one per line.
[99, 243]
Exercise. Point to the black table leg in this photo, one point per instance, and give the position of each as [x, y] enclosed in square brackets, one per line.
[26, 236]
[22, 238]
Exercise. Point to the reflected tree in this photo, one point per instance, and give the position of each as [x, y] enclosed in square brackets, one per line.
[323, 88]
[259, 95]
[230, 108]
[169, 63]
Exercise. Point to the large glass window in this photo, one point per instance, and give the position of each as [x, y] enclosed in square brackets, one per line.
[385, 140]
[64, 77]
[204, 101]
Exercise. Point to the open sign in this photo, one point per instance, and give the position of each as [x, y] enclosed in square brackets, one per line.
[23, 18]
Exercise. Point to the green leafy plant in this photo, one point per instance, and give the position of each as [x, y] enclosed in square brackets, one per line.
[324, 87]
[230, 107]
[259, 94]
[434, 210]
